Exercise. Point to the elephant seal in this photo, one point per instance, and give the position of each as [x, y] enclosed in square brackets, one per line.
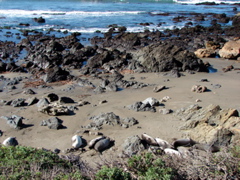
[207, 148]
[172, 152]
[102, 144]
[183, 142]
[94, 141]
[10, 141]
[77, 141]
[162, 143]
[149, 140]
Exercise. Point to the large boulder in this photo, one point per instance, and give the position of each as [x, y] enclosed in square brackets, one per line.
[39, 20]
[18, 102]
[54, 109]
[110, 119]
[236, 20]
[132, 146]
[56, 74]
[53, 123]
[14, 121]
[202, 53]
[165, 57]
[230, 50]
[106, 118]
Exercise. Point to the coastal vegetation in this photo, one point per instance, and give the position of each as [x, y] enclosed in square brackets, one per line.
[30, 163]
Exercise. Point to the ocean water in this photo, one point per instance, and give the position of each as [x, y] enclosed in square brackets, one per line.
[90, 16]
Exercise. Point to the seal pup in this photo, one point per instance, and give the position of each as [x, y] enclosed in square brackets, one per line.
[172, 152]
[94, 141]
[149, 140]
[162, 143]
[77, 141]
[102, 144]
[10, 141]
[183, 142]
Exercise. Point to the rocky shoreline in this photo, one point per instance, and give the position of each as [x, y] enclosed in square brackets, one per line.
[118, 87]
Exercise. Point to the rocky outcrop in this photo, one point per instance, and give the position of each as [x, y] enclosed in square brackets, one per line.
[230, 50]
[236, 20]
[211, 125]
[165, 57]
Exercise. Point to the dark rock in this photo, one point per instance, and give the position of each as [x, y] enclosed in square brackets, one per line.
[82, 103]
[18, 102]
[2, 66]
[207, 3]
[12, 82]
[216, 86]
[14, 121]
[39, 20]
[31, 101]
[56, 151]
[54, 46]
[29, 91]
[106, 118]
[99, 90]
[139, 106]
[132, 146]
[52, 97]
[122, 29]
[24, 24]
[129, 121]
[108, 86]
[53, 123]
[158, 88]
[85, 83]
[56, 74]
[165, 57]
[236, 21]
[43, 102]
[165, 111]
[66, 100]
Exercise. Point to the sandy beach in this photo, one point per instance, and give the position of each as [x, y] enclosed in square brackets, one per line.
[154, 124]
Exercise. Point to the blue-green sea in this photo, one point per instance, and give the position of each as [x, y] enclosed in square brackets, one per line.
[89, 16]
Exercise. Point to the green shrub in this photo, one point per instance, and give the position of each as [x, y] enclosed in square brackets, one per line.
[29, 163]
[148, 167]
[112, 174]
